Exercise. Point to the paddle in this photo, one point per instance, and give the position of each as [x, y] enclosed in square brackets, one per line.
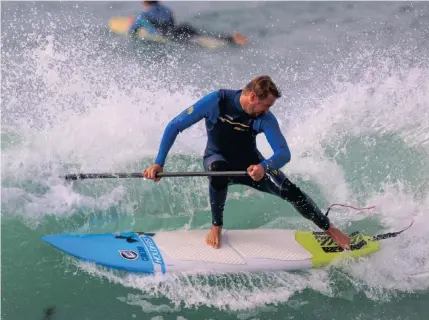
[80, 176]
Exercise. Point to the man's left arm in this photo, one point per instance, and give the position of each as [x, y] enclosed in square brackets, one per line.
[277, 141]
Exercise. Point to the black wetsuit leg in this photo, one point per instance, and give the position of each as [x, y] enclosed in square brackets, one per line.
[274, 182]
[185, 31]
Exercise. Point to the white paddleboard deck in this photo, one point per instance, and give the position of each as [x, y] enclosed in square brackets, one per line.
[240, 250]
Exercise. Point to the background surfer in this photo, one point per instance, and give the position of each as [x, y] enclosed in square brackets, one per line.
[163, 20]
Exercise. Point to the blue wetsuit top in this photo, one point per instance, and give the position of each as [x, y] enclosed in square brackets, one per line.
[220, 108]
[158, 15]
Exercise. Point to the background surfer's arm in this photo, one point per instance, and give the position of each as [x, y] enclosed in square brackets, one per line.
[136, 24]
[206, 107]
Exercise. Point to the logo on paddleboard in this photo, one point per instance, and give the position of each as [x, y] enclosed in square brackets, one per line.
[153, 250]
[143, 254]
[190, 110]
[128, 254]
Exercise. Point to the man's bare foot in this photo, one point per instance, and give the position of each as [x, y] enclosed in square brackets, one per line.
[342, 239]
[213, 237]
[239, 39]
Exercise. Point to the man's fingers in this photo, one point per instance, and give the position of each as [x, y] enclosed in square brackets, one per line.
[154, 172]
[151, 175]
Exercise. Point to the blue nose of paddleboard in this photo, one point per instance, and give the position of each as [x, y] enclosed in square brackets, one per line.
[124, 251]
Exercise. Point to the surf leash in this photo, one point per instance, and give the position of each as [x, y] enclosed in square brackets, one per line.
[347, 206]
[377, 237]
[390, 234]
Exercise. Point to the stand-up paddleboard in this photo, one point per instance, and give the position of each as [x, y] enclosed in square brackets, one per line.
[121, 25]
[241, 250]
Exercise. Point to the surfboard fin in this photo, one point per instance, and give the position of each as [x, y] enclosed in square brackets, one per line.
[390, 234]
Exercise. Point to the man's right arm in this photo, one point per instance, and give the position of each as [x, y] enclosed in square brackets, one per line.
[206, 107]
[142, 21]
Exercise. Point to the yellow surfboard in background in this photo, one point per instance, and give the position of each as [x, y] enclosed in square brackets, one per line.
[120, 25]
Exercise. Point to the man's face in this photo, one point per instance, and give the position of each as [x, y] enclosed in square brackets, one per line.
[258, 107]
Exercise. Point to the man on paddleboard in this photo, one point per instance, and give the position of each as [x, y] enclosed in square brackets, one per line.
[162, 19]
[233, 119]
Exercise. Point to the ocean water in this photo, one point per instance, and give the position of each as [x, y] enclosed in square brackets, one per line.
[355, 113]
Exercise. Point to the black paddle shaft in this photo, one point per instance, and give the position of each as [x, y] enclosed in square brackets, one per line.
[80, 176]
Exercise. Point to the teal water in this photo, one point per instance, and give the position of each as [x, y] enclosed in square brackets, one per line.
[355, 114]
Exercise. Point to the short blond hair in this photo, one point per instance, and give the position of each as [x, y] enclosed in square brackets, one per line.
[262, 86]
